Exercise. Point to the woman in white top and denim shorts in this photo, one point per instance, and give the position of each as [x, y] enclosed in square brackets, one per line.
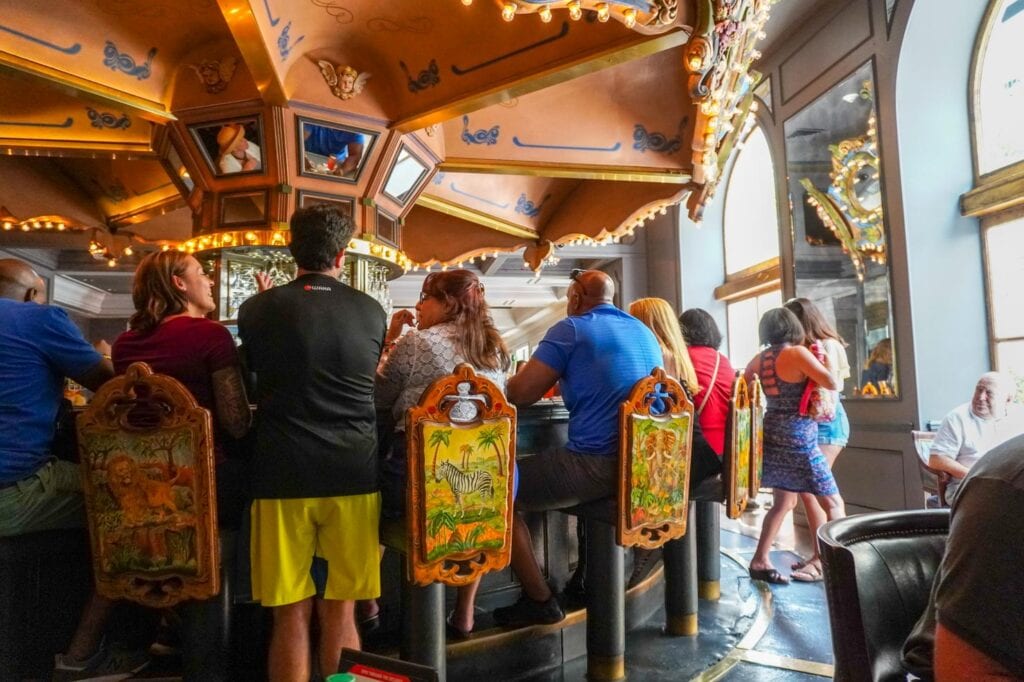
[832, 436]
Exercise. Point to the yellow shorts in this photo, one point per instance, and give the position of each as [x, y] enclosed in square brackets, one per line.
[287, 533]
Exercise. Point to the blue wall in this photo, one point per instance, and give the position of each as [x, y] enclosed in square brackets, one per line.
[702, 258]
[944, 248]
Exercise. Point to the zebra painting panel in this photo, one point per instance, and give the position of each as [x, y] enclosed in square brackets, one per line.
[465, 482]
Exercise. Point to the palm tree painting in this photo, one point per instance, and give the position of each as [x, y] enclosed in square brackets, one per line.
[437, 438]
[465, 501]
[492, 437]
[467, 451]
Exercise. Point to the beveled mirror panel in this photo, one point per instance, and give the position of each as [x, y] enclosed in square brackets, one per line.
[834, 176]
[406, 175]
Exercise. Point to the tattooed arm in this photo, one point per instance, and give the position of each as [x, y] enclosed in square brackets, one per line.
[233, 412]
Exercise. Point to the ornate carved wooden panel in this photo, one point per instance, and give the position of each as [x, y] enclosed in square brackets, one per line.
[736, 458]
[462, 444]
[655, 445]
[756, 435]
[148, 478]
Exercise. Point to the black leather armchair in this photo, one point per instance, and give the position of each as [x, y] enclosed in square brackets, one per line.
[879, 570]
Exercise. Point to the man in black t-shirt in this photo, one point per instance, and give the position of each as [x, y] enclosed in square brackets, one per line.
[314, 345]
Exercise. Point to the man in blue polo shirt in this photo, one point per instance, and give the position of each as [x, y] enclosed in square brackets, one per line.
[596, 354]
[39, 346]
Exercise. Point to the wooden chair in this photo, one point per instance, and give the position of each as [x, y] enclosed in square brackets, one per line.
[736, 459]
[147, 462]
[756, 436]
[709, 569]
[933, 481]
[461, 455]
[650, 510]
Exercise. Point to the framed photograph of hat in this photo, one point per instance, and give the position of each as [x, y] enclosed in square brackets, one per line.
[405, 177]
[231, 147]
[332, 151]
[243, 208]
[347, 205]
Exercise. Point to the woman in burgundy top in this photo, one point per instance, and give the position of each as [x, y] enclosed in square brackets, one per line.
[170, 332]
[714, 375]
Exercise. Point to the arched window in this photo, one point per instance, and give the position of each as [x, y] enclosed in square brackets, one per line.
[997, 108]
[751, 218]
[751, 233]
[999, 88]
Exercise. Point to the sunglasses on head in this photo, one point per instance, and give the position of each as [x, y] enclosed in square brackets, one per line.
[575, 273]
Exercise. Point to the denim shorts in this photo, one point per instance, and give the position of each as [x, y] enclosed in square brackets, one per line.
[837, 431]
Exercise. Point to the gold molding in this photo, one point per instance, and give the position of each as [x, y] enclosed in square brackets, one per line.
[799, 665]
[251, 43]
[140, 106]
[757, 280]
[632, 48]
[562, 170]
[16, 146]
[474, 216]
[999, 191]
[148, 211]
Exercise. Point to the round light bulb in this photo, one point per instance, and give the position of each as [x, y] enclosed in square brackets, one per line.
[111, 263]
[629, 17]
[508, 11]
[545, 14]
[128, 251]
[575, 11]
[603, 12]
[467, 3]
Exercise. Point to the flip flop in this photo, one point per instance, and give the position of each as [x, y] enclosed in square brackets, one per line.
[800, 564]
[769, 575]
[810, 573]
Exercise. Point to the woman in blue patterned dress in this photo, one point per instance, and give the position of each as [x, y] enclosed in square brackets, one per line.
[793, 463]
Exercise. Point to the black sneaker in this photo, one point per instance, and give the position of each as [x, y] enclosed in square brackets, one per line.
[644, 563]
[526, 611]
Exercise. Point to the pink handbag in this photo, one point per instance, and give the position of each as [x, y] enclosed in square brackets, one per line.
[818, 403]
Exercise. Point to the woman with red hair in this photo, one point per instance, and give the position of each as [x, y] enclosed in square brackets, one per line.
[453, 325]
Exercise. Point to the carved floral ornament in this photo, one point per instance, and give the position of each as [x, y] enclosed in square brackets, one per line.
[851, 207]
[718, 58]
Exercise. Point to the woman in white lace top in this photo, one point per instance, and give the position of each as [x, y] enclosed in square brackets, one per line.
[453, 325]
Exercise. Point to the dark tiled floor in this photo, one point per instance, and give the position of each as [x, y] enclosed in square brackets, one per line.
[797, 630]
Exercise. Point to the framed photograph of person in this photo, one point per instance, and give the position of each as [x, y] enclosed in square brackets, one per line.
[405, 177]
[231, 147]
[346, 205]
[332, 151]
[243, 208]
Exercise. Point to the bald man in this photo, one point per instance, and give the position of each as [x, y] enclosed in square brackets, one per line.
[595, 354]
[972, 429]
[39, 347]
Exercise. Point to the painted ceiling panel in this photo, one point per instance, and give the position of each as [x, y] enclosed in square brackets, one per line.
[634, 114]
[428, 54]
[135, 49]
[528, 201]
[32, 187]
[31, 110]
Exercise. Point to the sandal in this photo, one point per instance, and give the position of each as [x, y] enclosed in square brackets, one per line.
[769, 575]
[455, 631]
[809, 573]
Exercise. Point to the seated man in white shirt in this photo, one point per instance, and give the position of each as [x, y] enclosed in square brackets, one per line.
[974, 428]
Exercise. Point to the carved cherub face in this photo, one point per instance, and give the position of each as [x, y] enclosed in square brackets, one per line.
[209, 72]
[347, 80]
